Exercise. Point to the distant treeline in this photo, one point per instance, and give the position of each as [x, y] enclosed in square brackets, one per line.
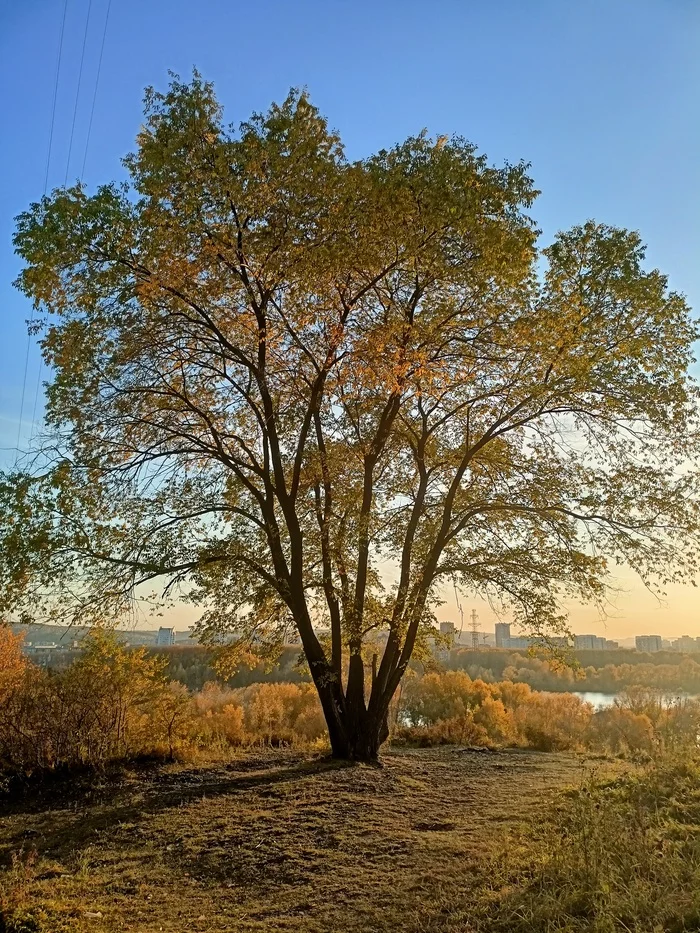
[599, 671]
[116, 702]
[192, 665]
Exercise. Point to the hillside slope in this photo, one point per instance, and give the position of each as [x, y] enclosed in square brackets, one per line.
[274, 842]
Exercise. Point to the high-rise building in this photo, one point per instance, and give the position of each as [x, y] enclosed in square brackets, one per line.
[589, 643]
[165, 637]
[502, 634]
[521, 643]
[686, 644]
[648, 642]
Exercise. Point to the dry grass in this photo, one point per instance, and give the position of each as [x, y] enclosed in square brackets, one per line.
[274, 842]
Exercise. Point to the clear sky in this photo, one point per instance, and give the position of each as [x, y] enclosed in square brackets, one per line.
[601, 96]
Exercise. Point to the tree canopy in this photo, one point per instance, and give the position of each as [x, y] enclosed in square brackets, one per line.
[311, 393]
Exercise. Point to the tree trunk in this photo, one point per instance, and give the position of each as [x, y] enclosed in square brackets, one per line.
[353, 737]
[358, 742]
[355, 733]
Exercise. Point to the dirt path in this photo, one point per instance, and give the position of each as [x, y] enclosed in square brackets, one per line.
[277, 842]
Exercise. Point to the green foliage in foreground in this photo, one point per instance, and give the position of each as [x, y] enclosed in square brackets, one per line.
[614, 857]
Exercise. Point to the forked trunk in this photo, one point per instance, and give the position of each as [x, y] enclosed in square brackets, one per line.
[359, 743]
[352, 737]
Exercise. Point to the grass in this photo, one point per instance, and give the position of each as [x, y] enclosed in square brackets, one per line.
[273, 842]
[614, 855]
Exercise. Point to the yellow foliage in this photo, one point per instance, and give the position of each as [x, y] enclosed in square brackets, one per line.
[497, 721]
[618, 730]
[12, 661]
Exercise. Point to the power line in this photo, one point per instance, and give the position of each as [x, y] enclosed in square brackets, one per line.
[24, 388]
[77, 92]
[87, 140]
[55, 95]
[46, 185]
[97, 81]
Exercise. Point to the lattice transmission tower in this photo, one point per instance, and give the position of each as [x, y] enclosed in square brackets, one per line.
[474, 626]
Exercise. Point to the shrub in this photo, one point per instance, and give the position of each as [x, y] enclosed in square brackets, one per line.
[282, 713]
[497, 722]
[678, 724]
[115, 702]
[618, 730]
[439, 706]
[553, 721]
[218, 716]
[31, 723]
[460, 730]
[437, 697]
[100, 708]
[172, 713]
[513, 695]
[13, 662]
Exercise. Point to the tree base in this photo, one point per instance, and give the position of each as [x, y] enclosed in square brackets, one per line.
[373, 762]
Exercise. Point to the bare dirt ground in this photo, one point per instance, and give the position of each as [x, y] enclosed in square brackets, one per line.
[275, 842]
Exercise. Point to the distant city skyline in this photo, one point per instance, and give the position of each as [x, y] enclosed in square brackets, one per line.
[584, 621]
[633, 610]
[43, 637]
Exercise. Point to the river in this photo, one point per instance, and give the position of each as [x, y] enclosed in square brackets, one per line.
[605, 700]
[597, 700]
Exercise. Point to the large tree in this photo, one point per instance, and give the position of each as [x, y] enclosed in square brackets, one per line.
[313, 393]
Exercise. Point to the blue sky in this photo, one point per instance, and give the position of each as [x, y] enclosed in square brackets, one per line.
[601, 96]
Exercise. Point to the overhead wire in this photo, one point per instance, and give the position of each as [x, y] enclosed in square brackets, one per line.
[87, 139]
[46, 185]
[55, 95]
[97, 81]
[77, 92]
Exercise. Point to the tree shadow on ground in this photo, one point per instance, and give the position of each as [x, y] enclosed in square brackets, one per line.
[73, 813]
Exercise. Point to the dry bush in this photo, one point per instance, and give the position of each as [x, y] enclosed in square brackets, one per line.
[310, 723]
[99, 709]
[436, 697]
[643, 700]
[115, 703]
[217, 717]
[214, 697]
[497, 722]
[172, 712]
[553, 721]
[31, 723]
[620, 730]
[460, 730]
[219, 727]
[261, 714]
[13, 662]
[282, 713]
[439, 706]
[678, 725]
[512, 694]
